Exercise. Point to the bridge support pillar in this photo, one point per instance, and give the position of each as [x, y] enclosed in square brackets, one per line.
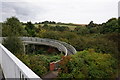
[33, 48]
[24, 48]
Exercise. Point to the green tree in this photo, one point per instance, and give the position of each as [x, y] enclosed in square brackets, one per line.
[78, 43]
[91, 24]
[12, 27]
[51, 35]
[12, 42]
[119, 21]
[45, 26]
[81, 30]
[110, 26]
[88, 64]
[30, 28]
[69, 35]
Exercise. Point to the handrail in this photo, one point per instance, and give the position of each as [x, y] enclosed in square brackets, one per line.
[35, 40]
[13, 68]
[68, 46]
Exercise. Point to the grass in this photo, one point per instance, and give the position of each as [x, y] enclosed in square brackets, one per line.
[72, 27]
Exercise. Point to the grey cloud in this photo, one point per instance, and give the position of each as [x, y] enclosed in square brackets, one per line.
[22, 10]
[75, 11]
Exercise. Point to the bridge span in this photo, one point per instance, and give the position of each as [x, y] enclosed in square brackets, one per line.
[61, 46]
[12, 67]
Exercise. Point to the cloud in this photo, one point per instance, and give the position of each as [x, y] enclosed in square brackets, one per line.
[75, 11]
[22, 10]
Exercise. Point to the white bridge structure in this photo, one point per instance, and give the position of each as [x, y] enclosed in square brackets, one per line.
[12, 67]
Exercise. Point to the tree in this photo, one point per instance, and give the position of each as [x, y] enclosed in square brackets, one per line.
[81, 30]
[110, 26]
[69, 35]
[91, 24]
[59, 28]
[119, 21]
[30, 28]
[12, 27]
[51, 35]
[12, 42]
[78, 43]
[88, 64]
[46, 26]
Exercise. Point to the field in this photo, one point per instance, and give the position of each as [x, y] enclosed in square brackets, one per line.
[71, 27]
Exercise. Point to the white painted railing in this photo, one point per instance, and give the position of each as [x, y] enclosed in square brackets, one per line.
[13, 68]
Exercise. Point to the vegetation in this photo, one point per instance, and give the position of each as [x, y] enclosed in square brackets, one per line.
[30, 28]
[39, 63]
[97, 45]
[14, 44]
[12, 29]
[88, 64]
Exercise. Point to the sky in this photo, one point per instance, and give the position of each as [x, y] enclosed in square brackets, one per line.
[67, 11]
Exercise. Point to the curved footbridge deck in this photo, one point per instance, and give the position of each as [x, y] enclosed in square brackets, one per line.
[61, 46]
[12, 67]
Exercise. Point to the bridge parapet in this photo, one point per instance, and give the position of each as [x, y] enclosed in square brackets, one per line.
[62, 46]
[49, 42]
[13, 68]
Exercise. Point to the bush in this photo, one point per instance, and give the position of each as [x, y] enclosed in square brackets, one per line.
[82, 30]
[102, 45]
[69, 35]
[87, 64]
[78, 43]
[115, 38]
[51, 35]
[14, 45]
[38, 63]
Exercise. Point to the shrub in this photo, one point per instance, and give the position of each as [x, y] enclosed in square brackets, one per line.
[51, 35]
[13, 44]
[38, 63]
[87, 64]
[102, 45]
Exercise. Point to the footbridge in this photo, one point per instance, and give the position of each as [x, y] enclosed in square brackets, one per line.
[61, 46]
[12, 67]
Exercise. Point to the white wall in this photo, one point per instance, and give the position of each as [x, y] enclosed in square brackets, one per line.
[12, 67]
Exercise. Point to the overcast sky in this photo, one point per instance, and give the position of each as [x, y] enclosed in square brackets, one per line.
[68, 11]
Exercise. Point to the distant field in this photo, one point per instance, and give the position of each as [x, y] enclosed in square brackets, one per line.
[72, 27]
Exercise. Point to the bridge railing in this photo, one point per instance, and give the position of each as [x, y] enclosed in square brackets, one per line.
[50, 42]
[68, 46]
[62, 46]
[13, 68]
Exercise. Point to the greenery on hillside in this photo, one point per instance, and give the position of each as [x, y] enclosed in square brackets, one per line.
[88, 64]
[39, 63]
[97, 45]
